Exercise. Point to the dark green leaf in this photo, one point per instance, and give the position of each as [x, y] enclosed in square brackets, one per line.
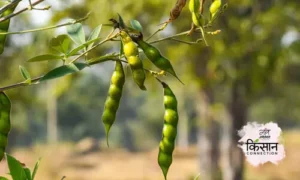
[63, 70]
[61, 43]
[74, 51]
[76, 33]
[37, 164]
[15, 168]
[45, 57]
[27, 173]
[136, 25]
[256, 141]
[25, 73]
[95, 33]
[121, 22]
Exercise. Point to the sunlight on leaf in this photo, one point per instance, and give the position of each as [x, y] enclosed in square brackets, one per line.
[76, 33]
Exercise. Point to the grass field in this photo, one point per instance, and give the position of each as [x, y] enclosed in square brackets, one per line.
[111, 164]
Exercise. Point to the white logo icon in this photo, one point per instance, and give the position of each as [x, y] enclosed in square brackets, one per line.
[260, 143]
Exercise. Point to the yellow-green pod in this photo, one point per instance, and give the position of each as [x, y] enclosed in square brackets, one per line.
[194, 6]
[214, 8]
[5, 108]
[132, 55]
[113, 99]
[156, 58]
[169, 132]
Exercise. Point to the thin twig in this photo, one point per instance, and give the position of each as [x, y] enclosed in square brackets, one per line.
[8, 6]
[108, 38]
[36, 80]
[20, 11]
[201, 6]
[169, 37]
[98, 60]
[46, 28]
[185, 42]
[160, 29]
[20, 84]
[176, 35]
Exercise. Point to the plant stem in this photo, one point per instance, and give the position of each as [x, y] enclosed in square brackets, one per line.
[110, 57]
[160, 29]
[20, 11]
[108, 38]
[4, 8]
[46, 28]
[20, 84]
[171, 37]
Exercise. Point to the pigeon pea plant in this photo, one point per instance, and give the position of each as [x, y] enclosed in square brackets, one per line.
[131, 42]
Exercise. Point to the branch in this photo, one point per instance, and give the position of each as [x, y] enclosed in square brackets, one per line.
[160, 29]
[20, 11]
[8, 6]
[201, 6]
[46, 28]
[109, 57]
[108, 38]
[20, 84]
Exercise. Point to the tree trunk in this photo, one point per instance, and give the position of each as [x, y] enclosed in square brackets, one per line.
[238, 111]
[208, 140]
[226, 145]
[208, 133]
[51, 114]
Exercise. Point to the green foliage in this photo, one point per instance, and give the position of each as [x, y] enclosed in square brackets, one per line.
[45, 57]
[136, 25]
[19, 171]
[25, 74]
[63, 70]
[94, 35]
[61, 43]
[76, 33]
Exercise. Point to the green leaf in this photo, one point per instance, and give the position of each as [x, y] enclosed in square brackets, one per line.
[27, 173]
[121, 22]
[74, 51]
[95, 33]
[3, 178]
[197, 177]
[136, 25]
[76, 33]
[61, 43]
[25, 74]
[16, 170]
[37, 164]
[256, 141]
[63, 70]
[45, 57]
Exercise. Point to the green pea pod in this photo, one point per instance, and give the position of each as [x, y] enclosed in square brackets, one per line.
[5, 25]
[194, 6]
[156, 58]
[5, 107]
[169, 133]
[132, 55]
[214, 8]
[113, 99]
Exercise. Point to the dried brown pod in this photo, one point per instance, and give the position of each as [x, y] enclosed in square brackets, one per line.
[176, 10]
